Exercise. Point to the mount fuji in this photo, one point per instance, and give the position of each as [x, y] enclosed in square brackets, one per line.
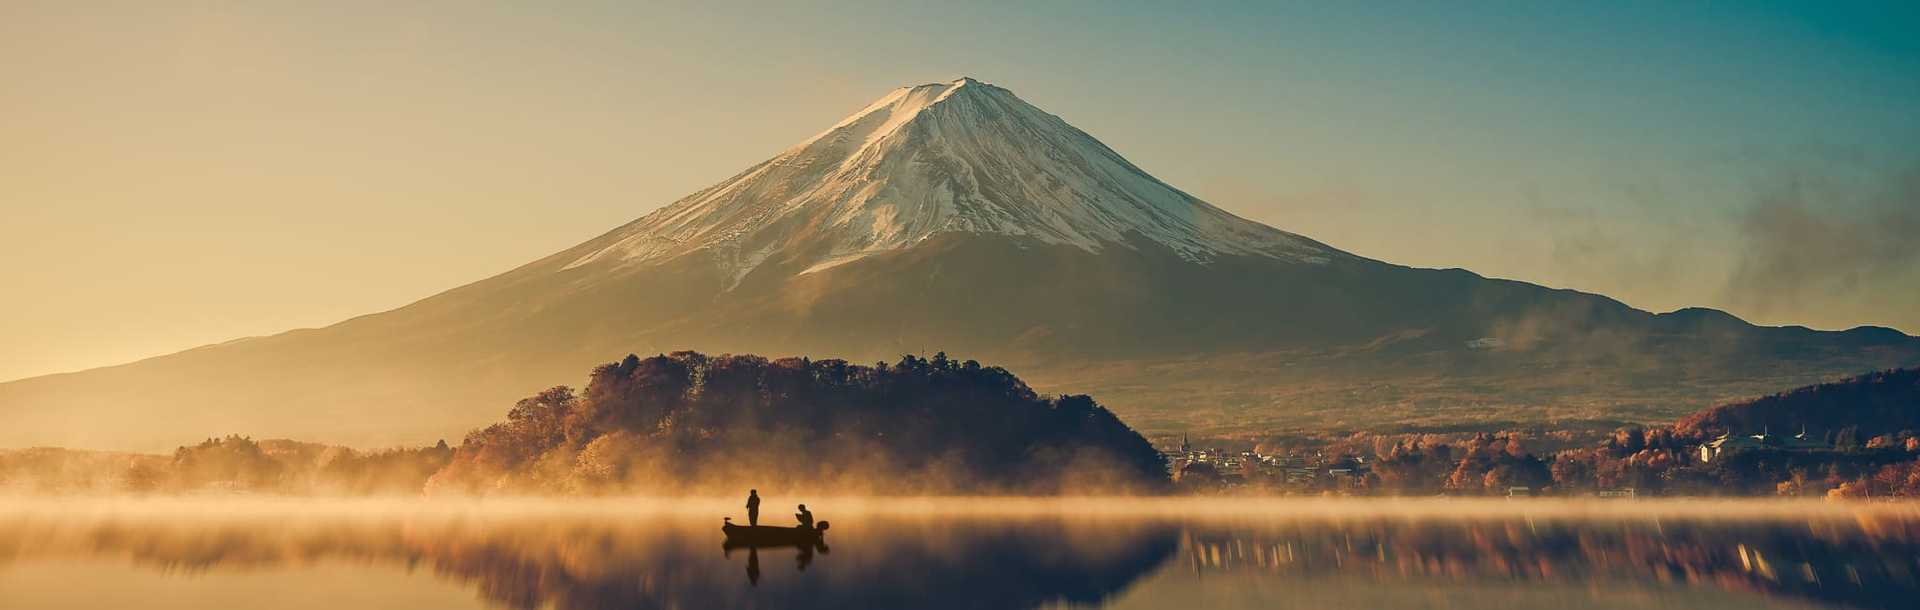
[957, 217]
[963, 157]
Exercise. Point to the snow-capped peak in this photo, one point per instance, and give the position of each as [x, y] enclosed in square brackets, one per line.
[896, 108]
[960, 156]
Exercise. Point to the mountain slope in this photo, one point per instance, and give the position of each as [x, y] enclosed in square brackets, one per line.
[957, 217]
[959, 157]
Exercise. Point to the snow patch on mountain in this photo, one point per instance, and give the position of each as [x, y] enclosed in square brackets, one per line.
[956, 157]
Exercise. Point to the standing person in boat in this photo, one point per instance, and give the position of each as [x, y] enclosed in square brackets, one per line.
[753, 507]
[805, 516]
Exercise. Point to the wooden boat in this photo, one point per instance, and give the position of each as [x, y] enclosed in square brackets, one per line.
[767, 535]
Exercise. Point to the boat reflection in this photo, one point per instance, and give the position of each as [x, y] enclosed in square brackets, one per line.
[803, 555]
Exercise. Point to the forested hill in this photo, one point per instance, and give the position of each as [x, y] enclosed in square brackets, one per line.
[1877, 403]
[690, 422]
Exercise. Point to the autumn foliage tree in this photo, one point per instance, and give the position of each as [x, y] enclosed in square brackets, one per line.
[1415, 467]
[1494, 462]
[233, 461]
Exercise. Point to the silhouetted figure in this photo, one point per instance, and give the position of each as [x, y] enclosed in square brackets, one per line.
[753, 507]
[805, 516]
[753, 566]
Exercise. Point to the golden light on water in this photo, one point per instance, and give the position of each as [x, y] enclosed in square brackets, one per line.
[1015, 552]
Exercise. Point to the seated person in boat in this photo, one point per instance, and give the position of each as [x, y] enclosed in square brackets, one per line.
[805, 516]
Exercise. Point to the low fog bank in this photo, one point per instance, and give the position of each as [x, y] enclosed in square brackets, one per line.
[219, 507]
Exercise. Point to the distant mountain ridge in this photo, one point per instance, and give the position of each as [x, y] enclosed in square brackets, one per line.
[956, 217]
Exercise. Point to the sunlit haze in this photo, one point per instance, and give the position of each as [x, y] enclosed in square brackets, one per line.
[176, 174]
[595, 305]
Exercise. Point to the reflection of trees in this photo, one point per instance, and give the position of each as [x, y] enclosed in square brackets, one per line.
[585, 563]
[1866, 563]
[590, 560]
[976, 569]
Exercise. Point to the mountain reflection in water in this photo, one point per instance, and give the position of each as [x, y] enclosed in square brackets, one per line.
[576, 561]
[536, 556]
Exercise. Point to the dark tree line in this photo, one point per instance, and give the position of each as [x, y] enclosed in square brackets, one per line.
[1846, 411]
[237, 462]
[689, 421]
[229, 463]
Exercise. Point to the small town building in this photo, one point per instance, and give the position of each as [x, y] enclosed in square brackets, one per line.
[1719, 446]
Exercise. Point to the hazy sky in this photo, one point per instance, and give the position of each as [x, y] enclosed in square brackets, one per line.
[179, 173]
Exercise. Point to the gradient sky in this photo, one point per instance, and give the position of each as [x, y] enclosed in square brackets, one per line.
[179, 173]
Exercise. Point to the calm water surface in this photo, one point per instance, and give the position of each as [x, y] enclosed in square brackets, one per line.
[285, 553]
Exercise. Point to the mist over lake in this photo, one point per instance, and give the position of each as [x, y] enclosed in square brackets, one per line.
[957, 553]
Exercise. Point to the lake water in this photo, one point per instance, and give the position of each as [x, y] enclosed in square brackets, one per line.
[946, 553]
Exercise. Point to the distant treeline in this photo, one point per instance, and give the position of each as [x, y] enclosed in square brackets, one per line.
[1865, 427]
[1877, 404]
[232, 463]
[687, 422]
[1866, 423]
